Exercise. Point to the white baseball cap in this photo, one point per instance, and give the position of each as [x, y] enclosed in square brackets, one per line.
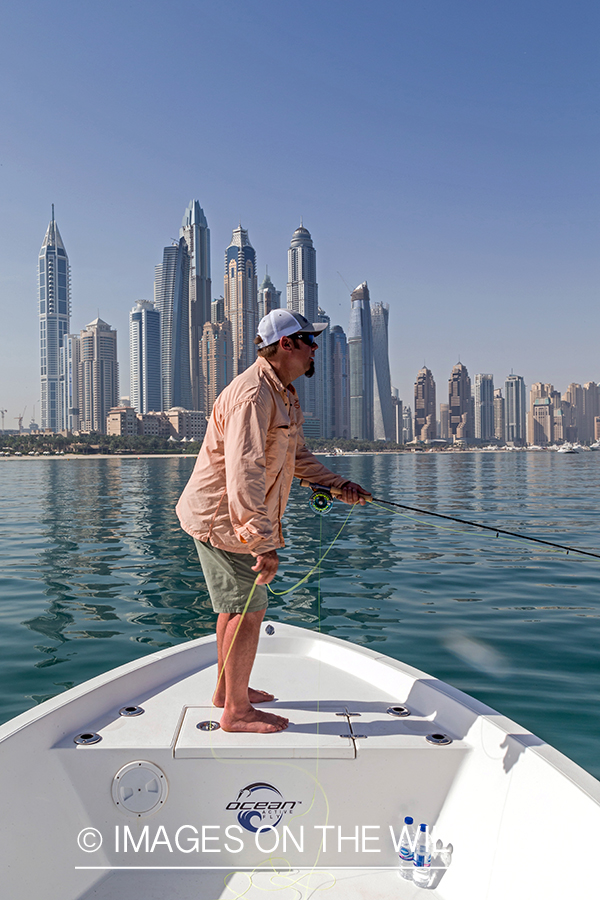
[281, 323]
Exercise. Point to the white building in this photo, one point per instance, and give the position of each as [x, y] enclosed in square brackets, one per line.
[145, 357]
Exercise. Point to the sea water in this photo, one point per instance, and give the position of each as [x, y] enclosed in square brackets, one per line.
[95, 571]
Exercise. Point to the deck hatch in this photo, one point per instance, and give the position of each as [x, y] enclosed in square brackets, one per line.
[311, 734]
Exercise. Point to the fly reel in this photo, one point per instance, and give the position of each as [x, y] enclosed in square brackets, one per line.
[321, 501]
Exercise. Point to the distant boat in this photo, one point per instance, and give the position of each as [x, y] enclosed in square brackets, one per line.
[567, 448]
[595, 445]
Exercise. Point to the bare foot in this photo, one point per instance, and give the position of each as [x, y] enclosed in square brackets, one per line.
[254, 696]
[254, 720]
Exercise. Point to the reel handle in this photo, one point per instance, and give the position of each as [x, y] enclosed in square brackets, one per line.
[334, 491]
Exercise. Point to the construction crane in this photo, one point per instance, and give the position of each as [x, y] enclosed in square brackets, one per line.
[20, 418]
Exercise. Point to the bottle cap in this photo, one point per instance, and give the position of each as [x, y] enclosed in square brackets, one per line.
[422, 827]
[408, 820]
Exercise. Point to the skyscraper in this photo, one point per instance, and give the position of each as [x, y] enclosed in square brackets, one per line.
[459, 401]
[340, 384]
[195, 230]
[98, 375]
[144, 355]
[69, 382]
[499, 417]
[54, 309]
[241, 303]
[484, 407]
[303, 297]
[268, 297]
[424, 418]
[540, 421]
[215, 359]
[514, 410]
[171, 298]
[383, 416]
[360, 349]
[323, 375]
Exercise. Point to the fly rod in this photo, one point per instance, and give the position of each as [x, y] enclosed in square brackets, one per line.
[321, 502]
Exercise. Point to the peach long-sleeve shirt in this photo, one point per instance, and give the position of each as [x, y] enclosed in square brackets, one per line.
[253, 448]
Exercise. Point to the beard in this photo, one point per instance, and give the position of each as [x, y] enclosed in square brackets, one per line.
[311, 369]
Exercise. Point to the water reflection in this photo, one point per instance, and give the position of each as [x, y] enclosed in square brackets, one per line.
[96, 571]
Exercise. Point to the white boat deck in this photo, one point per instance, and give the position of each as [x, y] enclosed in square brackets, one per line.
[345, 771]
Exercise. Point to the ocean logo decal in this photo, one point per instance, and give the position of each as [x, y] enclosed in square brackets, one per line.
[260, 805]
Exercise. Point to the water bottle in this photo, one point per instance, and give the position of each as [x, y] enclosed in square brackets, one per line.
[406, 852]
[422, 858]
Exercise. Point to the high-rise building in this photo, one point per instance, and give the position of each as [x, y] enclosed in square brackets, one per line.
[323, 375]
[360, 348]
[537, 422]
[591, 409]
[144, 356]
[514, 410]
[542, 420]
[444, 422]
[574, 397]
[217, 310]
[215, 359]
[98, 375]
[407, 425]
[459, 402]
[171, 298]
[424, 418]
[303, 297]
[69, 382]
[195, 230]
[241, 304]
[54, 310]
[499, 417]
[383, 416]
[268, 297]
[398, 416]
[484, 407]
[340, 384]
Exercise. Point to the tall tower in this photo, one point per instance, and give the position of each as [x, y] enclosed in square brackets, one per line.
[69, 382]
[171, 298]
[144, 355]
[514, 410]
[54, 308]
[340, 384]
[425, 423]
[499, 416]
[459, 401]
[360, 347]
[98, 375]
[195, 230]
[241, 301]
[323, 375]
[268, 297]
[215, 359]
[303, 297]
[383, 414]
[484, 407]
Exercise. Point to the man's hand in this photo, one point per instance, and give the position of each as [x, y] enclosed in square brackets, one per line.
[353, 493]
[267, 564]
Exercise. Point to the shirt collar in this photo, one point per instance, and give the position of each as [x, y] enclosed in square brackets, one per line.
[270, 372]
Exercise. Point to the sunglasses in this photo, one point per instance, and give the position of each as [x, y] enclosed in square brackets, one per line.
[306, 338]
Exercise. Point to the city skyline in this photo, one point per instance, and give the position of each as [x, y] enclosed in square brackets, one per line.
[456, 170]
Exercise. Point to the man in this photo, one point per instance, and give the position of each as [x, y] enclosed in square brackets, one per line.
[234, 501]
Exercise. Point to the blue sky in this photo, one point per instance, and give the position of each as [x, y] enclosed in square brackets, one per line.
[446, 152]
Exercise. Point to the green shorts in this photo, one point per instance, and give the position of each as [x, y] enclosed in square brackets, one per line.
[229, 579]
